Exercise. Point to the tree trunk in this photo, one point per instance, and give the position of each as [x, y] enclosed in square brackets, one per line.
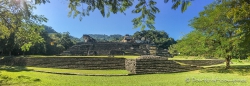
[24, 54]
[9, 53]
[2, 52]
[228, 59]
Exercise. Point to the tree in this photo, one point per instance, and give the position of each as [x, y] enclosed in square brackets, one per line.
[28, 36]
[66, 41]
[160, 38]
[146, 8]
[240, 14]
[223, 39]
[43, 47]
[21, 27]
[115, 38]
[192, 44]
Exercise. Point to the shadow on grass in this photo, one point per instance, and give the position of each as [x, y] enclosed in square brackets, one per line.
[21, 79]
[7, 80]
[14, 68]
[236, 69]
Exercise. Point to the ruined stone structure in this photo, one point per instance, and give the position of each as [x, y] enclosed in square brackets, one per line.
[163, 52]
[152, 50]
[91, 47]
[107, 48]
[128, 39]
[83, 63]
[126, 47]
[149, 64]
[146, 64]
[87, 38]
[153, 64]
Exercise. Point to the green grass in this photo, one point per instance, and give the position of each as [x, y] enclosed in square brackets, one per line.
[190, 58]
[237, 75]
[172, 79]
[103, 72]
[243, 70]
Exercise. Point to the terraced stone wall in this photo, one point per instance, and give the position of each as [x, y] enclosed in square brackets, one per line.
[88, 63]
[154, 64]
[146, 64]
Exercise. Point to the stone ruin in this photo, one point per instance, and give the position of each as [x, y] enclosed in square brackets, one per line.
[127, 38]
[145, 64]
[150, 64]
[127, 46]
[106, 48]
[87, 38]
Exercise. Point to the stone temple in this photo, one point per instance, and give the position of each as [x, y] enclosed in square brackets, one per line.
[128, 46]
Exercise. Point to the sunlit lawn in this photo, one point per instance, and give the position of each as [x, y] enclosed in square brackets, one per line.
[80, 72]
[193, 78]
[238, 75]
[190, 58]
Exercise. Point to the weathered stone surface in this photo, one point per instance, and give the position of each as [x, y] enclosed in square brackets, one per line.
[106, 48]
[68, 62]
[130, 65]
[87, 38]
[147, 64]
[91, 47]
[150, 64]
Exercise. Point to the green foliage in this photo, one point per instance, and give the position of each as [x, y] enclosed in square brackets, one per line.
[4, 32]
[35, 37]
[192, 44]
[216, 34]
[239, 12]
[49, 29]
[21, 28]
[220, 30]
[171, 79]
[160, 38]
[28, 36]
[26, 46]
[54, 43]
[66, 41]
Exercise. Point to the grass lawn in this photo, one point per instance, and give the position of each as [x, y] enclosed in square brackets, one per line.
[81, 72]
[193, 78]
[238, 75]
[190, 58]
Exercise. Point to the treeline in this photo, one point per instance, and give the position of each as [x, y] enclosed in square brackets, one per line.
[54, 43]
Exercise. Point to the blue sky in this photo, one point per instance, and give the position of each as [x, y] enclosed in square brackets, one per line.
[171, 21]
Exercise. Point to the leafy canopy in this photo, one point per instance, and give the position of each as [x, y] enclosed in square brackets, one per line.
[217, 34]
[160, 38]
[19, 25]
